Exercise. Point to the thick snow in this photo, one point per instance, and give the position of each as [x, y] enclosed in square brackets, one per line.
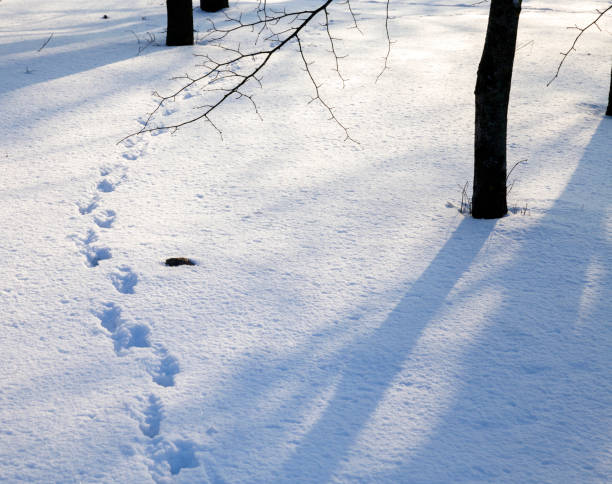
[344, 323]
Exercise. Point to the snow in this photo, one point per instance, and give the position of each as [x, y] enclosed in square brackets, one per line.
[344, 322]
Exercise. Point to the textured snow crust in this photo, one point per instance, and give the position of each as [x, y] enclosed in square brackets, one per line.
[344, 322]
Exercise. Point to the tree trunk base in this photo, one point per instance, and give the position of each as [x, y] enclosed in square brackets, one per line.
[213, 5]
[492, 92]
[180, 22]
[493, 207]
[609, 110]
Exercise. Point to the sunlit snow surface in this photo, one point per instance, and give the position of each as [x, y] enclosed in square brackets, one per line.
[344, 322]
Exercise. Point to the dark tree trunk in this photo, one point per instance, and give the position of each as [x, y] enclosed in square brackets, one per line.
[492, 97]
[213, 5]
[609, 110]
[180, 22]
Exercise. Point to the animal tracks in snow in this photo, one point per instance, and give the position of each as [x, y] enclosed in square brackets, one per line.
[106, 186]
[152, 417]
[133, 150]
[93, 253]
[165, 457]
[163, 367]
[123, 334]
[128, 336]
[110, 317]
[88, 207]
[172, 456]
[124, 280]
[108, 182]
[105, 219]
[163, 374]
[96, 254]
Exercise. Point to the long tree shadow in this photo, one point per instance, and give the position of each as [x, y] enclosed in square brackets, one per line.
[371, 364]
[48, 64]
[535, 395]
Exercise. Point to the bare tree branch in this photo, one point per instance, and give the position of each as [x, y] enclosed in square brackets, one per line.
[581, 30]
[386, 58]
[46, 42]
[229, 69]
[333, 49]
[317, 96]
[216, 72]
[353, 15]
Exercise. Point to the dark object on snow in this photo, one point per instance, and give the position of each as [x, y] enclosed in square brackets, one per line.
[213, 5]
[104, 16]
[179, 261]
[180, 22]
[609, 110]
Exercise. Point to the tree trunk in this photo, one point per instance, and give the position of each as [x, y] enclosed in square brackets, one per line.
[213, 5]
[609, 110]
[492, 97]
[180, 22]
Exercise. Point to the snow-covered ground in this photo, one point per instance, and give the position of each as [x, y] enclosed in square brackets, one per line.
[344, 323]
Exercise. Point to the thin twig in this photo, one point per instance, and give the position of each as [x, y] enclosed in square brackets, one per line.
[215, 68]
[515, 165]
[46, 42]
[573, 46]
[317, 96]
[226, 77]
[385, 66]
[333, 49]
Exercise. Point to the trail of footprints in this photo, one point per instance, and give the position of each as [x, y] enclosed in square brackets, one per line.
[165, 456]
